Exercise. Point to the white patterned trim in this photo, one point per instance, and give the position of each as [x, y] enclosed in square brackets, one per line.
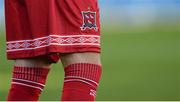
[71, 40]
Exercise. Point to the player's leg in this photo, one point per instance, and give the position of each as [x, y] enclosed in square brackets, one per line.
[28, 79]
[82, 75]
[29, 25]
[82, 34]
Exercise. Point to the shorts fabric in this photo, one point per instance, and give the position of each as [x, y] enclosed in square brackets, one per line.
[48, 27]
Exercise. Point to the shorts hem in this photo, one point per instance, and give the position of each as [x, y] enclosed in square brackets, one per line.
[44, 52]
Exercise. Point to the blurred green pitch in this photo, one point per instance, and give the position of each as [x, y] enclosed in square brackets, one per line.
[140, 63]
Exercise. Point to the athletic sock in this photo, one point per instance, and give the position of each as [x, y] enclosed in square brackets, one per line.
[81, 82]
[27, 83]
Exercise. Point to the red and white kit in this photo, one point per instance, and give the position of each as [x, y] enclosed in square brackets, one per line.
[46, 27]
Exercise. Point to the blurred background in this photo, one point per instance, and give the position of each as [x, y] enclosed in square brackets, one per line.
[140, 53]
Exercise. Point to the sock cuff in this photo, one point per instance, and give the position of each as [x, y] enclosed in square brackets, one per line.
[27, 83]
[30, 73]
[81, 82]
[83, 71]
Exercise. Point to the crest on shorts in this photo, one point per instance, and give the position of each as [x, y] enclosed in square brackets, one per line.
[89, 20]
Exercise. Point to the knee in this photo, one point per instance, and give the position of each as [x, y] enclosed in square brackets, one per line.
[33, 62]
[87, 57]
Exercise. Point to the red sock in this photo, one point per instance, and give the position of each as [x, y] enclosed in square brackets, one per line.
[81, 81]
[27, 83]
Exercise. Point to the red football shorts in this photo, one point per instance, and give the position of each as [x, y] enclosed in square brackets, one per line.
[48, 27]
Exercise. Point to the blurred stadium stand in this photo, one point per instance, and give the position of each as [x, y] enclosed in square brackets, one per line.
[136, 12]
